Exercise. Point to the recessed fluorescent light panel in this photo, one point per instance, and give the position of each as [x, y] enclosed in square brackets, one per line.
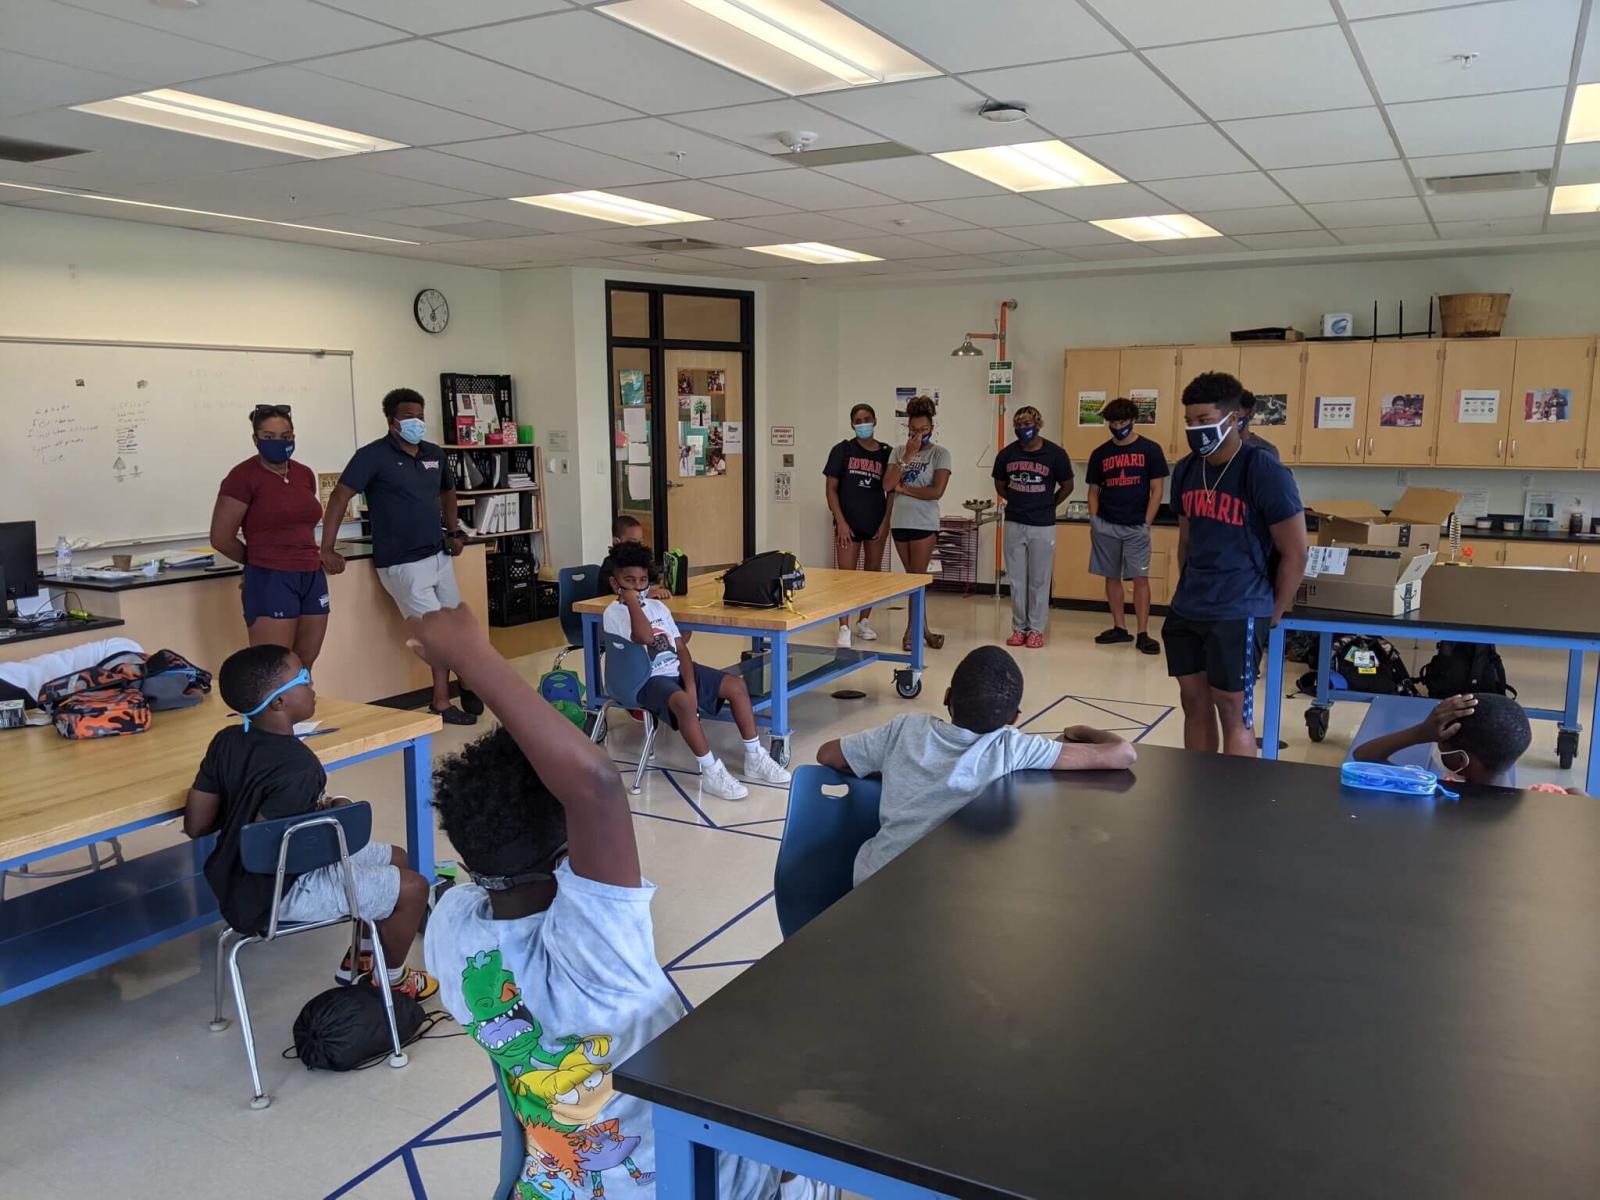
[1158, 229]
[1584, 123]
[1032, 166]
[201, 212]
[1575, 198]
[204, 117]
[816, 252]
[603, 206]
[796, 46]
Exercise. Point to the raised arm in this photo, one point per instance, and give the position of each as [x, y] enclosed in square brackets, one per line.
[600, 840]
[227, 516]
[1442, 724]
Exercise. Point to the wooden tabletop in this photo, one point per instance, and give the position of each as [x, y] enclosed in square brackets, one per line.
[828, 593]
[53, 790]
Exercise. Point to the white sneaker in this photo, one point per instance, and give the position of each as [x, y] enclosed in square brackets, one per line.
[866, 632]
[719, 782]
[801, 1188]
[763, 768]
[843, 641]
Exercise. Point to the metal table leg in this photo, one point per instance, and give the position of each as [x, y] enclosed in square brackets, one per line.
[1272, 719]
[778, 741]
[418, 755]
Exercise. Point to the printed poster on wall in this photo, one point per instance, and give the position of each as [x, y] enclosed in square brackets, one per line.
[1089, 406]
[1334, 412]
[1272, 408]
[631, 384]
[1543, 406]
[781, 435]
[783, 487]
[733, 437]
[1146, 399]
[1403, 410]
[1478, 406]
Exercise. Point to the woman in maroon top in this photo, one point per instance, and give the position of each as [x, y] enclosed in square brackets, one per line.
[273, 502]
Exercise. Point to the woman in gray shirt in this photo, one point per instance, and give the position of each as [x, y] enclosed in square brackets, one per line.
[917, 478]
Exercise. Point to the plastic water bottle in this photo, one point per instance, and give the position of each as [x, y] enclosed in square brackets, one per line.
[63, 558]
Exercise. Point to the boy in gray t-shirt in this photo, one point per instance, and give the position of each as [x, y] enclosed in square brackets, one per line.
[931, 768]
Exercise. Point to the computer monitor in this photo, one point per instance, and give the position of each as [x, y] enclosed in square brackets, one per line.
[19, 561]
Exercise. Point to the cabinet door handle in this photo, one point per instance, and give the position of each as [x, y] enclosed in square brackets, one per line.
[1500, 448]
[1369, 446]
[1572, 562]
[1513, 447]
[1357, 454]
[1585, 562]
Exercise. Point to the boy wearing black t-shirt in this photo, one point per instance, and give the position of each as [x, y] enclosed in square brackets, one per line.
[1032, 478]
[1124, 477]
[1235, 505]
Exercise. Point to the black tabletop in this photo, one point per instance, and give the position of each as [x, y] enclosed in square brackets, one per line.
[12, 632]
[1205, 977]
[1467, 617]
[223, 568]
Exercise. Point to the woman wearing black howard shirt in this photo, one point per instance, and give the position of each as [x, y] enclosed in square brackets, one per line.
[860, 507]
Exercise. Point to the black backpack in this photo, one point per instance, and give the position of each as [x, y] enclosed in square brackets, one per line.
[764, 580]
[1461, 667]
[344, 1028]
[1371, 665]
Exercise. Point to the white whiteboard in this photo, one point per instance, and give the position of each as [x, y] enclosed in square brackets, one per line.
[117, 442]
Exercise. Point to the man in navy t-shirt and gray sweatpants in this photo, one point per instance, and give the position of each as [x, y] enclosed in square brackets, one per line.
[1235, 506]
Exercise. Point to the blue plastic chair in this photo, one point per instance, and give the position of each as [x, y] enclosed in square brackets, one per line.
[625, 669]
[513, 1144]
[574, 585]
[816, 859]
[293, 846]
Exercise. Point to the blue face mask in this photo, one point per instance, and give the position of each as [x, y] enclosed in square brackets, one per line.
[1121, 431]
[1026, 433]
[303, 679]
[413, 430]
[865, 430]
[275, 452]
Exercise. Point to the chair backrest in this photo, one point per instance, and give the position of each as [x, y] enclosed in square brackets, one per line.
[816, 860]
[574, 584]
[625, 668]
[310, 848]
[513, 1144]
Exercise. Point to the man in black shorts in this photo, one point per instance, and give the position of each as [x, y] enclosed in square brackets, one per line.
[1236, 505]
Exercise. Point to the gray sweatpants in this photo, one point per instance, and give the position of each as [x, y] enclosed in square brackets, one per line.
[1030, 558]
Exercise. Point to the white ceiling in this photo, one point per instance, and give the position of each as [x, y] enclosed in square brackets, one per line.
[1294, 127]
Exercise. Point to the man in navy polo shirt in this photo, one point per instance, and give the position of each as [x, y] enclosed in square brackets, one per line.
[411, 501]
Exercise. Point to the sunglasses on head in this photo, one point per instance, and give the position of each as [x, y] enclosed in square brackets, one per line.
[262, 411]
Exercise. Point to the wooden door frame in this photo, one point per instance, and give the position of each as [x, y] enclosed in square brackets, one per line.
[657, 346]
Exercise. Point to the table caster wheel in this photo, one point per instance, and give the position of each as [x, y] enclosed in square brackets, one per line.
[1566, 747]
[908, 684]
[218, 1025]
[1317, 723]
[779, 749]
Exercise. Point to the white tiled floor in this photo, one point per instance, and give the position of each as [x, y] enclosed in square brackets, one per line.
[113, 1079]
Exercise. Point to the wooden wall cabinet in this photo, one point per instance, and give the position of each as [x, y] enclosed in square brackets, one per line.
[1085, 371]
[1404, 369]
[1546, 430]
[1563, 555]
[1276, 370]
[1337, 402]
[1154, 369]
[1070, 578]
[1475, 365]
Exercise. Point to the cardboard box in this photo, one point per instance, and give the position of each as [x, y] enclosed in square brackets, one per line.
[1529, 599]
[1414, 521]
[1369, 579]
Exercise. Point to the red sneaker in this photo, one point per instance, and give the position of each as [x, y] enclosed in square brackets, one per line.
[1017, 638]
[1035, 640]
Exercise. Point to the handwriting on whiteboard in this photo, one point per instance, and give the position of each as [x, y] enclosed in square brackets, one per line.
[54, 430]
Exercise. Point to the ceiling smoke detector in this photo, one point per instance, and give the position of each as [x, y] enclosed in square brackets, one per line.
[1002, 111]
[796, 140]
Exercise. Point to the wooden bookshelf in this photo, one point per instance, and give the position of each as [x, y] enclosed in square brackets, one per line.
[486, 446]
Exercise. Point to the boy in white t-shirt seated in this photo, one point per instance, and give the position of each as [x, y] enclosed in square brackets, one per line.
[932, 768]
[680, 691]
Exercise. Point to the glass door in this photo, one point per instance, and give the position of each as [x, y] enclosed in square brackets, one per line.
[706, 450]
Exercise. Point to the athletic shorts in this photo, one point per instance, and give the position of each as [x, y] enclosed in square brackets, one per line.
[320, 896]
[1228, 652]
[283, 595]
[912, 535]
[422, 587]
[659, 689]
[1118, 551]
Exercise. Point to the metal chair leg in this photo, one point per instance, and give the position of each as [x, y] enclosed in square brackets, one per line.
[380, 976]
[218, 1021]
[116, 851]
[646, 751]
[597, 734]
[261, 1099]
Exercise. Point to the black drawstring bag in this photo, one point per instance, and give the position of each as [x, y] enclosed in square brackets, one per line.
[765, 580]
[344, 1028]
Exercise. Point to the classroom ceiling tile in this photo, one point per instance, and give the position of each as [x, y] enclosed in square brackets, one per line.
[805, 227]
[430, 16]
[581, 49]
[991, 211]
[800, 187]
[890, 246]
[1295, 240]
[449, 170]
[281, 30]
[1093, 95]
[1163, 22]
[1471, 124]
[1589, 58]
[1299, 70]
[1353, 214]
[1063, 235]
[95, 42]
[1579, 164]
[705, 199]
[1519, 43]
[1572, 222]
[296, 92]
[454, 79]
[420, 217]
[89, 207]
[1492, 227]
[1534, 158]
[905, 219]
[724, 233]
[954, 262]
[926, 114]
[1349, 181]
[758, 125]
[1312, 139]
[1246, 189]
[1487, 206]
[1356, 10]
[1104, 203]
[526, 217]
[915, 178]
[539, 155]
[1118, 250]
[30, 84]
[1033, 258]
[1375, 235]
[655, 143]
[1284, 218]
[955, 38]
[479, 230]
[433, 235]
[1176, 247]
[737, 256]
[975, 241]
[293, 191]
[118, 150]
[1165, 153]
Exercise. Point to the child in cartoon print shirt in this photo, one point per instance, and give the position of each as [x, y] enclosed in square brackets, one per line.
[547, 958]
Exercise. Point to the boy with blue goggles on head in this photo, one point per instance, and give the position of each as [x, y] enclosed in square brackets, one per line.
[260, 771]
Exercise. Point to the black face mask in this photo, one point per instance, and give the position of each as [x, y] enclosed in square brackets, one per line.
[1121, 432]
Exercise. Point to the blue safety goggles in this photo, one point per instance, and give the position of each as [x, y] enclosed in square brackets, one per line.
[303, 679]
